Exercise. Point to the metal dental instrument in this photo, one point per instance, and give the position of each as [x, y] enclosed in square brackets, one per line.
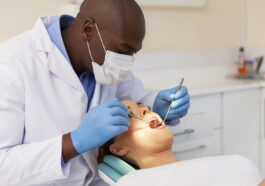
[179, 87]
[132, 115]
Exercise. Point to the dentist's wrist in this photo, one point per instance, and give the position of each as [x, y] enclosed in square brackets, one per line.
[68, 149]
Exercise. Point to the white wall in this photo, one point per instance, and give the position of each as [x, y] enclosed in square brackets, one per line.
[19, 15]
[256, 23]
[218, 25]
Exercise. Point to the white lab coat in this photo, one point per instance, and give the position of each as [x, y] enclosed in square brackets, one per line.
[41, 98]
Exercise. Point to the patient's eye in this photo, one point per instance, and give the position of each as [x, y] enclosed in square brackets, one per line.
[140, 104]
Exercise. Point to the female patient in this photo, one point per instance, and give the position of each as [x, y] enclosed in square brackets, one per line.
[144, 145]
[148, 145]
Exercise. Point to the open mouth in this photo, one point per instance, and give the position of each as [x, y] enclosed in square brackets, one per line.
[155, 123]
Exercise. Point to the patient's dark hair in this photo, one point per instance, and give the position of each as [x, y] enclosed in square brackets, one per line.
[104, 150]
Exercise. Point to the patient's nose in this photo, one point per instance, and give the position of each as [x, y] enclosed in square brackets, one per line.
[143, 111]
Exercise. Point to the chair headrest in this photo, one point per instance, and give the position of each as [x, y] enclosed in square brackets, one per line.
[114, 167]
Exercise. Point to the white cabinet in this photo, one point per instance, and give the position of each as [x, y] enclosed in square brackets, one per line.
[262, 132]
[228, 122]
[208, 146]
[199, 133]
[241, 123]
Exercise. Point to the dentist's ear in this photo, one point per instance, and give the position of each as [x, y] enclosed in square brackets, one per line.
[88, 28]
[118, 150]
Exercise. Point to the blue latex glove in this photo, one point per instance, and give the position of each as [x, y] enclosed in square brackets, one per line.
[99, 125]
[180, 105]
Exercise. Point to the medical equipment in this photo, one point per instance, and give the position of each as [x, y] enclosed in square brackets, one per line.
[151, 123]
[232, 170]
[116, 66]
[113, 168]
[179, 87]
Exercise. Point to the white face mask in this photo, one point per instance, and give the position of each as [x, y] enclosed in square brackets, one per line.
[115, 69]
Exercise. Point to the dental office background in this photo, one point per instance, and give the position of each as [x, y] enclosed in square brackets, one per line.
[197, 40]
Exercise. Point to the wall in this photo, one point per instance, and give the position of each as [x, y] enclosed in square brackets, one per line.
[20, 15]
[255, 23]
[215, 26]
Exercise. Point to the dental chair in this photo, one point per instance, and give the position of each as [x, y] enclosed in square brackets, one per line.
[228, 170]
[113, 168]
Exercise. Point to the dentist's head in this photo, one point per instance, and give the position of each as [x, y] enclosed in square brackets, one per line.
[142, 140]
[104, 37]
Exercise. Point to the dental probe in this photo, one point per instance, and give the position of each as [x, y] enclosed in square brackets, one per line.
[179, 87]
[137, 117]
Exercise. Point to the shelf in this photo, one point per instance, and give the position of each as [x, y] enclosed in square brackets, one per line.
[174, 3]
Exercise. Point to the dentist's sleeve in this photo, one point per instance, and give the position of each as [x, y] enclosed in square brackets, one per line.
[133, 89]
[23, 164]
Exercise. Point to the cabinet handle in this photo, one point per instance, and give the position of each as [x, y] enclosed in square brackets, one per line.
[192, 149]
[195, 114]
[187, 131]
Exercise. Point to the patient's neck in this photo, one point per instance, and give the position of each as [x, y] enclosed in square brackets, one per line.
[157, 159]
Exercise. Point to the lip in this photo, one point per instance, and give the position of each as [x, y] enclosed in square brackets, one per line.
[155, 117]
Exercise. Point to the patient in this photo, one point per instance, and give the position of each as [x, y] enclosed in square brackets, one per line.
[144, 145]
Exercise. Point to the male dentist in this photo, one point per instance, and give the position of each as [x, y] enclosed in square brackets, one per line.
[60, 89]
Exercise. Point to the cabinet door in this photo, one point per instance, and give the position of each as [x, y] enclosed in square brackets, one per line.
[199, 134]
[241, 123]
[209, 146]
[207, 105]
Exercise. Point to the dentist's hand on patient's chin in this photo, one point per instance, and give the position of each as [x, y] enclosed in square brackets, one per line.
[180, 105]
[97, 127]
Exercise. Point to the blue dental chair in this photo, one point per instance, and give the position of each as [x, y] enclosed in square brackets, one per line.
[113, 168]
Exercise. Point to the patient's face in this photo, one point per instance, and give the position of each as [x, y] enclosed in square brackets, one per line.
[142, 137]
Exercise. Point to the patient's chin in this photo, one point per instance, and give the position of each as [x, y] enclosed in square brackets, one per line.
[161, 142]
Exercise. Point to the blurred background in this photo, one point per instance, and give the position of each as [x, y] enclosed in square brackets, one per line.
[218, 24]
[198, 40]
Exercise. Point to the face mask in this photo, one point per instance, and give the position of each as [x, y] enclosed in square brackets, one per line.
[116, 66]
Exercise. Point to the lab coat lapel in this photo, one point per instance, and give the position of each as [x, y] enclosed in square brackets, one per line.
[55, 62]
[59, 66]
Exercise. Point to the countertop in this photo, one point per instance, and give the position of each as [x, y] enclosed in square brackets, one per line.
[200, 80]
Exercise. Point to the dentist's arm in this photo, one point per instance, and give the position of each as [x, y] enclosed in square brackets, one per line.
[41, 162]
[23, 164]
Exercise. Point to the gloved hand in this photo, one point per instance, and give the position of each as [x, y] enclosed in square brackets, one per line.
[180, 105]
[99, 125]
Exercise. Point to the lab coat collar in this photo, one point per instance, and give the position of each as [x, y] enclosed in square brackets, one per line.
[55, 62]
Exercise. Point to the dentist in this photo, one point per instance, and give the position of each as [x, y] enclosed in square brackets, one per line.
[60, 86]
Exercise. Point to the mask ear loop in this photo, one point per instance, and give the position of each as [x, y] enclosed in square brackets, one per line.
[100, 37]
[89, 51]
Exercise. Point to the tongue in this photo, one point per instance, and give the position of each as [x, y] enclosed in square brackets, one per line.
[154, 124]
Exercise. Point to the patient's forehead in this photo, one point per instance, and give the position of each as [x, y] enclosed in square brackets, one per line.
[129, 103]
[132, 104]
